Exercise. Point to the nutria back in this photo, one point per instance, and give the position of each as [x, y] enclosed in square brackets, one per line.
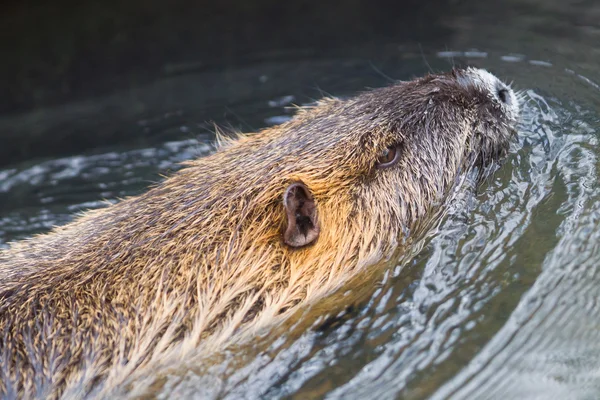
[241, 239]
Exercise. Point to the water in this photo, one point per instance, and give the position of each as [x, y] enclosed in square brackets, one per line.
[500, 300]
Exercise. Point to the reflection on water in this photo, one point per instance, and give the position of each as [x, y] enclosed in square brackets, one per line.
[500, 301]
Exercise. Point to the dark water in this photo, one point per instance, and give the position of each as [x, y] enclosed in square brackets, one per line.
[500, 301]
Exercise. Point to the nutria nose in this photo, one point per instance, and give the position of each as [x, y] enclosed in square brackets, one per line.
[489, 83]
[502, 94]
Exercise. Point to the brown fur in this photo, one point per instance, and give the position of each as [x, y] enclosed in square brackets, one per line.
[198, 261]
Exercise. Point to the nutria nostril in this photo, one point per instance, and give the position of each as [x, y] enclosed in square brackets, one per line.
[239, 240]
[503, 95]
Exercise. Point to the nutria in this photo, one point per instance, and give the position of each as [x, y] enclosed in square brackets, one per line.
[240, 239]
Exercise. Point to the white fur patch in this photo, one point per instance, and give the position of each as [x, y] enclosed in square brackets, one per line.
[487, 82]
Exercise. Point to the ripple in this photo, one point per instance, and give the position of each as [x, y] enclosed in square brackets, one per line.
[550, 345]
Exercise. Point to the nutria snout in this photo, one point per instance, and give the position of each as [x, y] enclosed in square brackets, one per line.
[241, 239]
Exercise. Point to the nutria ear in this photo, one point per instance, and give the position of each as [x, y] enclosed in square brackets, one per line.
[302, 220]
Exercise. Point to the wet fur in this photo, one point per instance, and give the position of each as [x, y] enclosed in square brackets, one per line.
[197, 263]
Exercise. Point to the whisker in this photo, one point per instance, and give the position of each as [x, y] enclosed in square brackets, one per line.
[425, 59]
[390, 79]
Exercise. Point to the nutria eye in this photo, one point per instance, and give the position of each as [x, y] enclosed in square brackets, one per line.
[388, 157]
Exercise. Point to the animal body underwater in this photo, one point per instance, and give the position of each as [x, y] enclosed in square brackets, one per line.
[239, 240]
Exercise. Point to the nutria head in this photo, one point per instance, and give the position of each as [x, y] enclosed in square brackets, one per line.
[383, 158]
[243, 237]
